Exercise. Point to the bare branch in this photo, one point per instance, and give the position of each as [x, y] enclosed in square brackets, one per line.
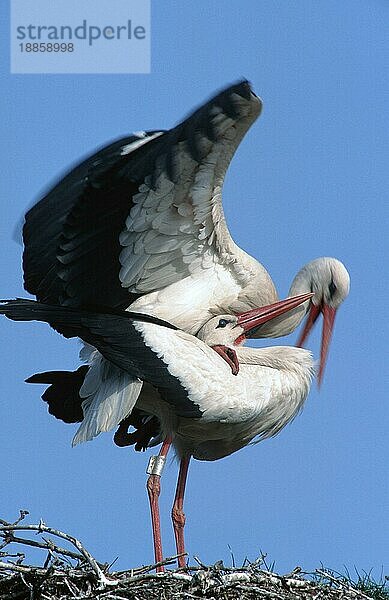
[43, 528]
[47, 545]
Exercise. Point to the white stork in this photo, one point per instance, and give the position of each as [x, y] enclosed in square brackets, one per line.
[140, 224]
[202, 408]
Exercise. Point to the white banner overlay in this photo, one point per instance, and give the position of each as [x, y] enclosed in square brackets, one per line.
[74, 36]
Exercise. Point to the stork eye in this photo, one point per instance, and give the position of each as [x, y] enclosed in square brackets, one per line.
[222, 323]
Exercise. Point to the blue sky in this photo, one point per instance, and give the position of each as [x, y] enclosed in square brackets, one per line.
[310, 179]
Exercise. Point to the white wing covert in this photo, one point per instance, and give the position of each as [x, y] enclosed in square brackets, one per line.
[176, 225]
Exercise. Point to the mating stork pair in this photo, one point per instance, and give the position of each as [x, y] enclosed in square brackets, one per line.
[131, 253]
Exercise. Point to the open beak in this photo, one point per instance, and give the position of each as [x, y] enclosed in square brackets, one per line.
[229, 355]
[252, 319]
[328, 313]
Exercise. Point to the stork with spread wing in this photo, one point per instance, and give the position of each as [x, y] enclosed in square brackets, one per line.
[140, 224]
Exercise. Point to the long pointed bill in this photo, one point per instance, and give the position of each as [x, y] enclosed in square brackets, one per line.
[314, 312]
[252, 319]
[329, 314]
[328, 325]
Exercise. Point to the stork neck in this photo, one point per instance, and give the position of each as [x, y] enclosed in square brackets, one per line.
[281, 358]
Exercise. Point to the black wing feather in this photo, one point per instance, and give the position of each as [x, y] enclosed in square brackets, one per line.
[82, 215]
[115, 337]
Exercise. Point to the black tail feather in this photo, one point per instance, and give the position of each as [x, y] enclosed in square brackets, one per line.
[63, 395]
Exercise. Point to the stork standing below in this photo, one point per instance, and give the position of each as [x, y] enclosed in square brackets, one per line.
[204, 410]
[140, 224]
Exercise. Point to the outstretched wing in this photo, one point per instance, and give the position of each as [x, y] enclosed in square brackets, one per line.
[71, 236]
[119, 341]
[142, 213]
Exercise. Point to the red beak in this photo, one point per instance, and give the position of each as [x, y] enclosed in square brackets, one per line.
[253, 318]
[328, 313]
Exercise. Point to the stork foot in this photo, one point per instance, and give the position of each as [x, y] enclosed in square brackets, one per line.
[145, 430]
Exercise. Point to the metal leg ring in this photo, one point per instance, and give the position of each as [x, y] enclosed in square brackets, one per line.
[156, 465]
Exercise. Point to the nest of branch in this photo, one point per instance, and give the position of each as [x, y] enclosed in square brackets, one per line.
[73, 574]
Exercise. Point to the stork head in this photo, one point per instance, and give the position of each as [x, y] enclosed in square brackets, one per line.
[224, 332]
[329, 280]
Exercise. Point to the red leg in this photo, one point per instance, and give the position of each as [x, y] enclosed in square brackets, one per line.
[153, 490]
[178, 515]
